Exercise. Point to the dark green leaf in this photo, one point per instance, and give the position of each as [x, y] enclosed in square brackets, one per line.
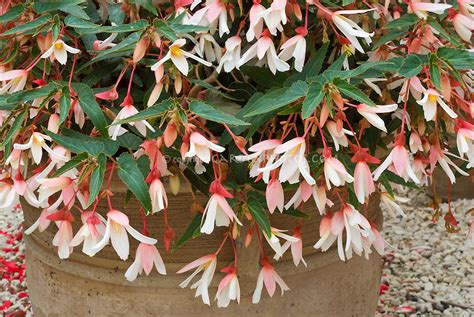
[435, 72]
[130, 174]
[13, 129]
[403, 22]
[295, 213]
[260, 215]
[208, 112]
[32, 25]
[12, 14]
[129, 27]
[75, 161]
[29, 95]
[147, 4]
[192, 231]
[312, 67]
[278, 98]
[91, 107]
[64, 105]
[412, 66]
[352, 92]
[459, 59]
[79, 24]
[313, 99]
[97, 178]
[390, 36]
[42, 7]
[130, 141]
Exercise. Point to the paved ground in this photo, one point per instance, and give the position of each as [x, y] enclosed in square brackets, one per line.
[426, 270]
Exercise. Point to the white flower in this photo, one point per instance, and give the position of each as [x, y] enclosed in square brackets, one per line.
[36, 144]
[339, 137]
[201, 148]
[209, 48]
[268, 277]
[350, 29]
[430, 101]
[229, 288]
[294, 47]
[275, 16]
[59, 50]
[370, 113]
[16, 81]
[274, 240]
[463, 26]
[231, 57]
[127, 111]
[256, 22]
[178, 57]
[421, 9]
[146, 256]
[265, 52]
[335, 172]
[91, 232]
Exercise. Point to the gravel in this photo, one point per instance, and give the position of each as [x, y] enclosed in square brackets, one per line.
[427, 271]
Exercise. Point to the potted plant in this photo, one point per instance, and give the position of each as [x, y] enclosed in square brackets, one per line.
[270, 129]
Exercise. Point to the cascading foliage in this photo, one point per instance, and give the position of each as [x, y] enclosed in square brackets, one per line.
[262, 106]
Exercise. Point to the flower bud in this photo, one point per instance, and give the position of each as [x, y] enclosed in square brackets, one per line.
[53, 123]
[170, 134]
[140, 50]
[174, 184]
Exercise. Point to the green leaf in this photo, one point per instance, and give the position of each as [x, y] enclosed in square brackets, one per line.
[433, 23]
[32, 25]
[13, 129]
[165, 30]
[64, 105]
[278, 98]
[97, 178]
[411, 66]
[78, 145]
[459, 59]
[91, 107]
[352, 92]
[312, 67]
[403, 22]
[130, 174]
[31, 94]
[12, 14]
[42, 7]
[390, 36]
[208, 112]
[147, 4]
[123, 48]
[78, 23]
[192, 231]
[313, 99]
[129, 27]
[394, 178]
[75, 161]
[110, 146]
[435, 72]
[76, 11]
[260, 215]
[149, 113]
[130, 141]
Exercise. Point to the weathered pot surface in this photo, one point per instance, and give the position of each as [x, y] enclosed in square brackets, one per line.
[462, 189]
[96, 286]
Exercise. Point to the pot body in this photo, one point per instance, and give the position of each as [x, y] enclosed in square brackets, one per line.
[85, 286]
[462, 189]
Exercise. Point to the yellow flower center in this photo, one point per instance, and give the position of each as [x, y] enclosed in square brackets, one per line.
[58, 45]
[176, 51]
[116, 226]
[432, 98]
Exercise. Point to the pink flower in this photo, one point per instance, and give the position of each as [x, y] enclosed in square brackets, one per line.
[159, 200]
[268, 277]
[178, 57]
[296, 248]
[390, 202]
[147, 255]
[464, 140]
[64, 235]
[305, 191]
[16, 81]
[217, 209]
[463, 26]
[91, 232]
[156, 92]
[338, 136]
[370, 113]
[292, 161]
[430, 101]
[415, 143]
[229, 288]
[50, 186]
[274, 195]
[363, 182]
[59, 50]
[256, 21]
[105, 44]
[421, 9]
[264, 51]
[206, 264]
[116, 231]
[110, 94]
[437, 155]
[334, 171]
[275, 16]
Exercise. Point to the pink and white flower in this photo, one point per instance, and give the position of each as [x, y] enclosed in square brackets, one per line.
[256, 21]
[229, 288]
[371, 114]
[128, 110]
[275, 16]
[201, 148]
[91, 232]
[429, 103]
[146, 257]
[13, 81]
[42, 223]
[334, 171]
[116, 231]
[263, 153]
[464, 25]
[206, 264]
[159, 200]
[421, 9]
[274, 195]
[464, 140]
[178, 57]
[218, 210]
[296, 248]
[437, 155]
[59, 50]
[274, 240]
[390, 202]
[268, 277]
[305, 191]
[231, 57]
[292, 162]
[338, 135]
[36, 144]
[50, 186]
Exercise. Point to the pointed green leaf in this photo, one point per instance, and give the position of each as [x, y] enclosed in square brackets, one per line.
[64, 105]
[12, 14]
[28, 26]
[411, 66]
[192, 231]
[313, 99]
[97, 178]
[91, 107]
[352, 92]
[75, 161]
[149, 113]
[208, 112]
[260, 215]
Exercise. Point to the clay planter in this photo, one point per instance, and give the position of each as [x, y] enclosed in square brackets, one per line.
[462, 189]
[96, 286]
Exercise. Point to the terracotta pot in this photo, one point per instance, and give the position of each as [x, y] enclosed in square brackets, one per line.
[96, 286]
[462, 189]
